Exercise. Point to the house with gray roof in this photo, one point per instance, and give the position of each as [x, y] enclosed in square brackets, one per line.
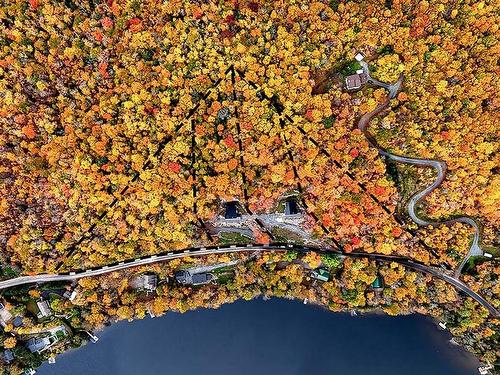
[8, 356]
[43, 309]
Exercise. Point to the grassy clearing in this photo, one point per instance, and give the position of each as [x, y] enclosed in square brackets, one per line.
[232, 238]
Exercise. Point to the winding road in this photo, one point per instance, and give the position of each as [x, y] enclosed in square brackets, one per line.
[96, 271]
[439, 166]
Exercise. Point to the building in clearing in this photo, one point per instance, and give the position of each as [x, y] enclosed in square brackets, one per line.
[320, 274]
[291, 207]
[355, 81]
[43, 309]
[231, 210]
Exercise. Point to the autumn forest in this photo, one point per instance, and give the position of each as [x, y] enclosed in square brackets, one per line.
[130, 129]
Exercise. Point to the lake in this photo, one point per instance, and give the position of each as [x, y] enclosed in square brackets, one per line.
[269, 337]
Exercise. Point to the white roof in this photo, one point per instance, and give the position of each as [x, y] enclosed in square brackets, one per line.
[359, 57]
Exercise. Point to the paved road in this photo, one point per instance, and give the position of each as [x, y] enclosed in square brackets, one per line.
[439, 166]
[69, 276]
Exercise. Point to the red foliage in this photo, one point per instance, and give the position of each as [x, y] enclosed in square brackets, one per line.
[229, 141]
[174, 167]
[356, 241]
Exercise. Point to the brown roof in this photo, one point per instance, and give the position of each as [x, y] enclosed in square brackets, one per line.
[355, 81]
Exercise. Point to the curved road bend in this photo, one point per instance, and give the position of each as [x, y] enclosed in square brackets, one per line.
[69, 276]
[439, 166]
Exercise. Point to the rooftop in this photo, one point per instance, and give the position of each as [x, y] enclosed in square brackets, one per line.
[355, 81]
[43, 309]
[231, 210]
[320, 274]
[39, 344]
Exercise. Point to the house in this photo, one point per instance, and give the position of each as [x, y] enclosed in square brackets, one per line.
[18, 322]
[71, 295]
[39, 344]
[5, 315]
[8, 356]
[377, 284]
[359, 57]
[30, 371]
[291, 207]
[320, 274]
[149, 281]
[184, 277]
[202, 278]
[355, 81]
[231, 210]
[485, 370]
[43, 309]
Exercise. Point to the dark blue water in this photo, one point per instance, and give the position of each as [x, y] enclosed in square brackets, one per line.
[269, 337]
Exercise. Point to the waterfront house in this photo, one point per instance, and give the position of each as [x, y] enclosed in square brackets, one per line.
[40, 344]
[43, 309]
[320, 274]
[149, 281]
[184, 277]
